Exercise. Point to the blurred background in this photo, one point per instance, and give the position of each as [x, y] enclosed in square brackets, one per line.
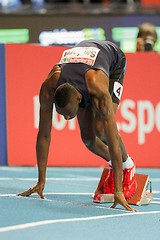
[33, 35]
[48, 21]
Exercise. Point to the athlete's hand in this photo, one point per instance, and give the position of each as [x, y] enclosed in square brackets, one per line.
[38, 188]
[120, 199]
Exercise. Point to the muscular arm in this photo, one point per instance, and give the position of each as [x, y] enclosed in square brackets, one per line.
[46, 98]
[98, 87]
[43, 142]
[44, 134]
[110, 129]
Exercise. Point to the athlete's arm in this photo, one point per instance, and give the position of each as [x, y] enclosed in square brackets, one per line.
[98, 85]
[44, 134]
[43, 142]
[98, 88]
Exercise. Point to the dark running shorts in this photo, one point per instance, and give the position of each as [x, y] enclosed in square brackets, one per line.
[116, 80]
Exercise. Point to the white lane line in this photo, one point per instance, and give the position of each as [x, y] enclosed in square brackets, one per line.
[92, 205]
[76, 178]
[156, 192]
[58, 193]
[155, 202]
[155, 179]
[16, 169]
[80, 194]
[52, 179]
[55, 193]
[46, 222]
[54, 169]
[8, 195]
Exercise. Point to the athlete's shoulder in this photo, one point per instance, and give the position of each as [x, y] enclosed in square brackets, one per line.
[102, 44]
[86, 43]
[49, 86]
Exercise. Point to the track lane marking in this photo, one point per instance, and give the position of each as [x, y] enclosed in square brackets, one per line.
[67, 220]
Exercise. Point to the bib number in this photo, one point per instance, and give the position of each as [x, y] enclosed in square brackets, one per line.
[118, 88]
[85, 55]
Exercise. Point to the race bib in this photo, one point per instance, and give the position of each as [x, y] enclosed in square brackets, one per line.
[118, 88]
[85, 55]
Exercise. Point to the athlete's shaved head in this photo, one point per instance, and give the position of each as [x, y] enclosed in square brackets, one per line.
[63, 95]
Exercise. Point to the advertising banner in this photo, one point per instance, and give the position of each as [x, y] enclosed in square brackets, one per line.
[3, 147]
[139, 113]
[138, 116]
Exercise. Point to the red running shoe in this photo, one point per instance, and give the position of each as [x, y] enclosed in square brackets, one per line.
[108, 187]
[129, 182]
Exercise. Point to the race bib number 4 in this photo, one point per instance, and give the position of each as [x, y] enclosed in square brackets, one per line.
[85, 55]
[118, 88]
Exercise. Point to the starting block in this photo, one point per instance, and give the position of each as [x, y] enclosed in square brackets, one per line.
[142, 196]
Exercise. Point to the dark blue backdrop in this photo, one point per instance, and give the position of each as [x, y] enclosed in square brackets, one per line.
[3, 145]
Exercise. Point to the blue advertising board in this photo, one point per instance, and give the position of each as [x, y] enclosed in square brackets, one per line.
[3, 140]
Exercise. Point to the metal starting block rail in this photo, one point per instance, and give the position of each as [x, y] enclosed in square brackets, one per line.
[142, 196]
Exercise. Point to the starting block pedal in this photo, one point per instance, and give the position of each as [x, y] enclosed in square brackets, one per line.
[142, 196]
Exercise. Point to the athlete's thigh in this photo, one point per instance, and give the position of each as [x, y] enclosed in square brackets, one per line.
[86, 120]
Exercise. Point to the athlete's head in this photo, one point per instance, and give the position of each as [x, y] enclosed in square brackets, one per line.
[67, 100]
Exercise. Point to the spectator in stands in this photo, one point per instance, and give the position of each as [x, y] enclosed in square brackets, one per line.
[146, 38]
